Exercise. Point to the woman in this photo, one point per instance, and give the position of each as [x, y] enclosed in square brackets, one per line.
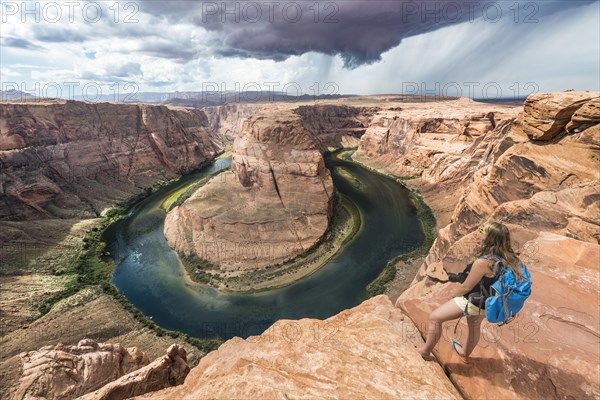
[496, 245]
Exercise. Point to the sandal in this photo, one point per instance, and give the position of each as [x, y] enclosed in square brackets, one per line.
[462, 357]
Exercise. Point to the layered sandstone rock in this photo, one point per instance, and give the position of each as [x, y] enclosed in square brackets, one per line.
[73, 159]
[103, 371]
[366, 352]
[586, 116]
[58, 372]
[548, 195]
[169, 370]
[228, 120]
[429, 139]
[336, 125]
[546, 114]
[275, 203]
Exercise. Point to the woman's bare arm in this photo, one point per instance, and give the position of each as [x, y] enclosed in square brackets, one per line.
[479, 269]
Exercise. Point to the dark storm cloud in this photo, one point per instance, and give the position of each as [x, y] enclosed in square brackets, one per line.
[359, 30]
[19, 43]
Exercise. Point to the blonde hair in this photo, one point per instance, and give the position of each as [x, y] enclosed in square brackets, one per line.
[497, 243]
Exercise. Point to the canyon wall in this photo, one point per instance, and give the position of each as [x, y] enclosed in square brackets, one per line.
[429, 139]
[336, 125]
[436, 143]
[227, 120]
[274, 203]
[72, 159]
[539, 175]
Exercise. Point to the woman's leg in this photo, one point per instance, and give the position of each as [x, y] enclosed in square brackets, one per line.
[446, 312]
[473, 333]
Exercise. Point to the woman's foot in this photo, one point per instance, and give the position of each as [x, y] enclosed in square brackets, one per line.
[424, 353]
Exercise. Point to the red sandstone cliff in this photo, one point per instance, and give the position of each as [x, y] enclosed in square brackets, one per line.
[429, 139]
[336, 125]
[73, 159]
[227, 120]
[366, 352]
[103, 371]
[539, 175]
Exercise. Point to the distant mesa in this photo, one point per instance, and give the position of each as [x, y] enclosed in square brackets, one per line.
[14, 94]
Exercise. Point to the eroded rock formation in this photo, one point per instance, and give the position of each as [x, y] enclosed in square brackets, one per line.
[169, 370]
[547, 114]
[58, 372]
[73, 159]
[429, 139]
[226, 121]
[366, 352]
[336, 125]
[103, 371]
[273, 204]
[542, 180]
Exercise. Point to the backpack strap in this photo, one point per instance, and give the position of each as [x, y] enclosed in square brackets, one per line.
[465, 313]
[498, 267]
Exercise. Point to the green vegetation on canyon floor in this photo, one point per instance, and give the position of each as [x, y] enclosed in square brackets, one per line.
[179, 196]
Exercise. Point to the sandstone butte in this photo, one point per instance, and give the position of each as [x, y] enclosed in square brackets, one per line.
[274, 203]
[534, 168]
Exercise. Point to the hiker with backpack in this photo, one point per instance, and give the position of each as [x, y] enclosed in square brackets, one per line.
[494, 286]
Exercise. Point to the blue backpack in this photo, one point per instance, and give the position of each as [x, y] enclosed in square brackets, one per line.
[507, 295]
